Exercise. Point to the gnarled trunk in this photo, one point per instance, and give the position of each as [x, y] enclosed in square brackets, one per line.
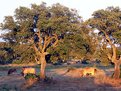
[43, 66]
[116, 70]
[114, 59]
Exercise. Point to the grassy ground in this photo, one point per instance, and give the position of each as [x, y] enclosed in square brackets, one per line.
[70, 81]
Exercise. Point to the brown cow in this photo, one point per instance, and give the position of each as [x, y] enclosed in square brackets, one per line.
[27, 70]
[89, 71]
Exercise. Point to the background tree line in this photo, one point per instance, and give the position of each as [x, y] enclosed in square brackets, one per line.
[77, 39]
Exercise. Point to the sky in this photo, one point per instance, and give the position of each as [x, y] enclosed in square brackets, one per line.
[84, 7]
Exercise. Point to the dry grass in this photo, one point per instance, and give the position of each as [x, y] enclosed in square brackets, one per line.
[62, 81]
[28, 83]
[100, 73]
[108, 81]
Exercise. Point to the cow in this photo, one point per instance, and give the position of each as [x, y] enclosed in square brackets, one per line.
[27, 70]
[89, 71]
[12, 70]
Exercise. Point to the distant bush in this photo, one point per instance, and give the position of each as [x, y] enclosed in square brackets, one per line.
[16, 62]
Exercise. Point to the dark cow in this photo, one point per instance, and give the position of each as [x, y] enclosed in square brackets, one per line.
[12, 70]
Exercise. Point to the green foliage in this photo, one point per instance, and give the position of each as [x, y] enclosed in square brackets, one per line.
[17, 62]
[59, 18]
[9, 23]
[102, 56]
[118, 51]
[30, 76]
[107, 21]
[77, 41]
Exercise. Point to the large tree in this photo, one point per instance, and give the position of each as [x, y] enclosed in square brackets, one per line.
[108, 22]
[39, 28]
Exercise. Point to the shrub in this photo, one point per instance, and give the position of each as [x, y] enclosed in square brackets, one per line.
[30, 76]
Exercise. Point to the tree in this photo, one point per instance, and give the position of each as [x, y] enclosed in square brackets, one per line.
[41, 49]
[5, 53]
[39, 28]
[16, 40]
[49, 28]
[108, 22]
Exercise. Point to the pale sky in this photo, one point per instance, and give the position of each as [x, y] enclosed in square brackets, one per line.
[84, 7]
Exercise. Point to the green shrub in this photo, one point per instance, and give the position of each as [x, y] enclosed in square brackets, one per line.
[30, 76]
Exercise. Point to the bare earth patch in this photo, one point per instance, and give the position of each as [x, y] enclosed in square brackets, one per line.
[62, 81]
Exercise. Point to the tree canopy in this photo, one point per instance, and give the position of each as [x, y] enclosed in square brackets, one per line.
[76, 37]
[57, 19]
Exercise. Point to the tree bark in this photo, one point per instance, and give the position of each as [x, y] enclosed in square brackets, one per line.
[43, 66]
[116, 70]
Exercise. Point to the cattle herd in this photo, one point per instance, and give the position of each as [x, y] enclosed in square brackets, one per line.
[87, 71]
[24, 71]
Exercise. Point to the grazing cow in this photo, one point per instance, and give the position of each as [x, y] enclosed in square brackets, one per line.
[12, 70]
[89, 71]
[27, 70]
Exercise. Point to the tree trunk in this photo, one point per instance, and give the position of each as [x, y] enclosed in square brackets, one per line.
[43, 66]
[116, 70]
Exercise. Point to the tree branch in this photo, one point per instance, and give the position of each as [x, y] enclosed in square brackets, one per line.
[31, 40]
[45, 44]
[48, 40]
[109, 56]
[36, 59]
[120, 58]
[112, 45]
[40, 40]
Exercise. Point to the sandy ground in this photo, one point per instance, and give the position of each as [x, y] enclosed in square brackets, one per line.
[60, 81]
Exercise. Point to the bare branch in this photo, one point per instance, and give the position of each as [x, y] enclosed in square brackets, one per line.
[109, 56]
[107, 37]
[48, 41]
[45, 44]
[40, 40]
[112, 45]
[37, 61]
